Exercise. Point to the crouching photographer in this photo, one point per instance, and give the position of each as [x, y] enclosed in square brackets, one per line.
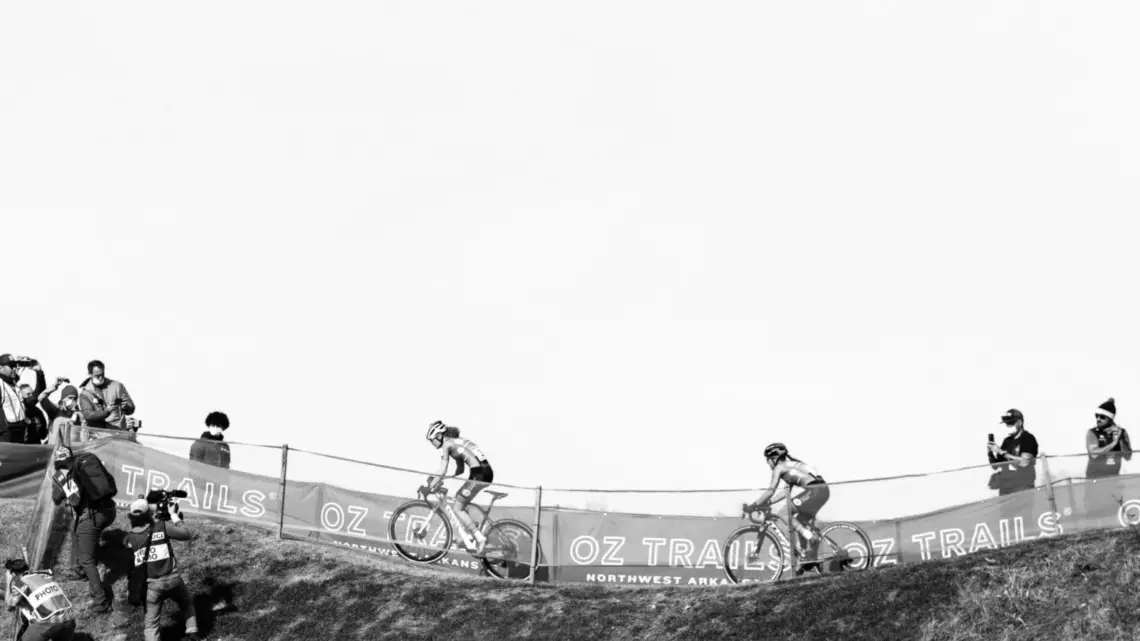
[44, 610]
[155, 522]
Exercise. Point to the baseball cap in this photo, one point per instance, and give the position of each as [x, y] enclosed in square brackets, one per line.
[139, 506]
[1012, 416]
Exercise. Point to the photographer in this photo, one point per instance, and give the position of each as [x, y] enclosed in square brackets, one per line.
[1015, 462]
[44, 610]
[89, 489]
[155, 521]
[35, 421]
[13, 419]
[1107, 443]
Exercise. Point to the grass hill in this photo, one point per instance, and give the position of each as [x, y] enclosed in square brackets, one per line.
[1077, 588]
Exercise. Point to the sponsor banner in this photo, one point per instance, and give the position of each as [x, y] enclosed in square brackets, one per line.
[583, 546]
[22, 469]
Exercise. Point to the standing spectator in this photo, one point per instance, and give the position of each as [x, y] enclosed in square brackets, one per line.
[89, 489]
[1015, 461]
[13, 421]
[211, 448]
[36, 422]
[1107, 443]
[105, 403]
[65, 420]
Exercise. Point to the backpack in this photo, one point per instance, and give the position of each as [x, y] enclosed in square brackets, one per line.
[98, 484]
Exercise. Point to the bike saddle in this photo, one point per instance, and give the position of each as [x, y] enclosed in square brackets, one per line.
[494, 494]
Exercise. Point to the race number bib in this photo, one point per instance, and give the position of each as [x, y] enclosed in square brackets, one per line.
[476, 451]
[70, 490]
[158, 552]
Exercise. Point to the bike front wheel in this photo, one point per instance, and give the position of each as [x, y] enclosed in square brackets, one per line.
[509, 550]
[419, 532]
[753, 555]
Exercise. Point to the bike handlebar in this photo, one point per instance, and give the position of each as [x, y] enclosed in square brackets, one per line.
[425, 491]
[749, 510]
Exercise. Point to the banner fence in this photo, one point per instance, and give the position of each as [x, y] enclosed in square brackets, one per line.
[576, 535]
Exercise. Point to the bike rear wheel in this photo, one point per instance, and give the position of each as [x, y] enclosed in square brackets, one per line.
[510, 546]
[753, 555]
[419, 532]
[857, 552]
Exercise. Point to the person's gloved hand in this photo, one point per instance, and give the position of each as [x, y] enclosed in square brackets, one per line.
[175, 514]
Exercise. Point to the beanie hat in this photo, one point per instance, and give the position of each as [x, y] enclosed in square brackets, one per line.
[1107, 408]
[68, 391]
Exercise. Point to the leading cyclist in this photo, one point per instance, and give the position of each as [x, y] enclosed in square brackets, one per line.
[464, 451]
[805, 505]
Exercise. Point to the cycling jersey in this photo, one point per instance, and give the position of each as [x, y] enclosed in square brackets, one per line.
[798, 473]
[464, 451]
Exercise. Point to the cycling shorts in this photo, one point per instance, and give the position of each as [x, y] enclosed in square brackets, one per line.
[808, 502]
[478, 479]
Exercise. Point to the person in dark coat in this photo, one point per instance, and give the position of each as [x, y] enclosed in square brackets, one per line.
[211, 448]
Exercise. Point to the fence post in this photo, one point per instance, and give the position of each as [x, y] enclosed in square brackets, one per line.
[281, 491]
[1049, 483]
[1079, 516]
[537, 528]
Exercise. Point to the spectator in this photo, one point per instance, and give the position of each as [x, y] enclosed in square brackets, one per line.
[105, 403]
[35, 422]
[1107, 443]
[211, 448]
[65, 420]
[13, 421]
[1015, 461]
[88, 489]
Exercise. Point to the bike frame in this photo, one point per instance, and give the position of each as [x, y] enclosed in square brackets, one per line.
[446, 504]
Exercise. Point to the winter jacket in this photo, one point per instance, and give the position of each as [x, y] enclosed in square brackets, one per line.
[211, 450]
[98, 404]
[12, 417]
[37, 422]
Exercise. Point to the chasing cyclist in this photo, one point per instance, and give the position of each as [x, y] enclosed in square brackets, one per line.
[805, 505]
[465, 452]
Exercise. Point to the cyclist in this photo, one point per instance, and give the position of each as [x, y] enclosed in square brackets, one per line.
[465, 452]
[805, 505]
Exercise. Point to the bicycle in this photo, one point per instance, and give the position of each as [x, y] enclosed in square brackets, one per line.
[509, 542]
[769, 539]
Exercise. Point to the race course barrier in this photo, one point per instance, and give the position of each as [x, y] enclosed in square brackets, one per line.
[577, 545]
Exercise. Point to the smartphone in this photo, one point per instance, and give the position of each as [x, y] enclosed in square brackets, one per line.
[991, 438]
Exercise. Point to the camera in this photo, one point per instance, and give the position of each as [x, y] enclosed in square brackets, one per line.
[16, 565]
[163, 499]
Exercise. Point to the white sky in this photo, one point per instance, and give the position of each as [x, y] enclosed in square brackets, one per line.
[621, 244]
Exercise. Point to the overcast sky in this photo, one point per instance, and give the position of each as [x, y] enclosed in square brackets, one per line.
[620, 244]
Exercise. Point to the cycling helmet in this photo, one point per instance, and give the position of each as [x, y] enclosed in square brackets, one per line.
[775, 450]
[435, 433]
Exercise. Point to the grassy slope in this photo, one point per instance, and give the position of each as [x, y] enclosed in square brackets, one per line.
[1079, 588]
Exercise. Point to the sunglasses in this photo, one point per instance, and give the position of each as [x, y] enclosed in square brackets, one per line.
[1102, 417]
